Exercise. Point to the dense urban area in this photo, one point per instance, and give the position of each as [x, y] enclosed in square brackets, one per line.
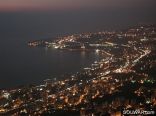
[123, 80]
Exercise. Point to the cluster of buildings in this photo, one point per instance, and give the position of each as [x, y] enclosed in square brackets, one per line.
[124, 79]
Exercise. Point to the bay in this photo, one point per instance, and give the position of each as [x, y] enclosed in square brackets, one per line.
[22, 65]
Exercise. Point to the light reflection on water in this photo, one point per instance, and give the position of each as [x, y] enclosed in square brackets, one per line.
[23, 65]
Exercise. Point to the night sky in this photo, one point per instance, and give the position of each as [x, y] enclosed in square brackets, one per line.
[63, 16]
[17, 5]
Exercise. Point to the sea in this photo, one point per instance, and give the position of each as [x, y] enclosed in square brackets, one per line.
[22, 65]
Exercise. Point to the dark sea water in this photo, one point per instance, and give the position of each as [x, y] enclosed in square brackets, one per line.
[21, 65]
